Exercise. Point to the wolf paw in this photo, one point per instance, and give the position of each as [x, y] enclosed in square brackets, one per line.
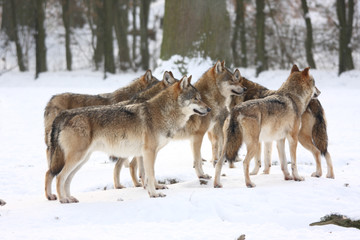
[156, 195]
[51, 197]
[315, 174]
[298, 178]
[330, 175]
[119, 186]
[161, 186]
[250, 185]
[69, 200]
[288, 177]
[205, 176]
[2, 202]
[218, 185]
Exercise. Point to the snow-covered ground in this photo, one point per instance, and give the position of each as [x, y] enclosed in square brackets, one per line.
[275, 209]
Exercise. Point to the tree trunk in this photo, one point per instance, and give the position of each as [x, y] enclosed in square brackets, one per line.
[309, 35]
[108, 38]
[261, 62]
[121, 29]
[345, 25]
[19, 53]
[197, 28]
[239, 25]
[144, 48]
[67, 21]
[40, 38]
[99, 48]
[134, 36]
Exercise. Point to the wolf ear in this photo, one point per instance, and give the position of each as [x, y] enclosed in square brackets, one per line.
[294, 69]
[305, 72]
[237, 74]
[218, 67]
[168, 78]
[148, 75]
[185, 82]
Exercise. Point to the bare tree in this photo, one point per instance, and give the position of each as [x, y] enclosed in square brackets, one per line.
[19, 52]
[67, 22]
[345, 24]
[40, 38]
[239, 27]
[309, 35]
[144, 48]
[261, 61]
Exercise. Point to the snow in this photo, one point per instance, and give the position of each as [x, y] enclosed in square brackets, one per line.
[275, 209]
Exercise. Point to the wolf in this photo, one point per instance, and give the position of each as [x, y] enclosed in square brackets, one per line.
[168, 80]
[276, 117]
[216, 86]
[312, 135]
[133, 130]
[66, 101]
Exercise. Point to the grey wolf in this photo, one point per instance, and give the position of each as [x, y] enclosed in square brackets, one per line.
[312, 135]
[216, 86]
[66, 101]
[133, 130]
[273, 118]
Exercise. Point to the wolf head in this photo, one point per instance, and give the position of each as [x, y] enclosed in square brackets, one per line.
[148, 80]
[304, 82]
[228, 82]
[190, 99]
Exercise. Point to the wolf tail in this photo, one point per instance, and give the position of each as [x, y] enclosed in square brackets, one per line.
[319, 132]
[57, 160]
[233, 138]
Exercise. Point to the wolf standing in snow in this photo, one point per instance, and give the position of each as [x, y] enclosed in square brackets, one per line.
[66, 101]
[312, 135]
[138, 129]
[275, 117]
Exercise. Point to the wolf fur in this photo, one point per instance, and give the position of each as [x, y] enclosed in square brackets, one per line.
[216, 86]
[66, 101]
[312, 135]
[275, 117]
[132, 130]
[168, 80]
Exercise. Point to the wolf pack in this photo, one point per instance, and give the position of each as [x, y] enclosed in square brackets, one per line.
[138, 120]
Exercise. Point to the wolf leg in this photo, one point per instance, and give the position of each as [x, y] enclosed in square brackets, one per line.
[257, 161]
[293, 140]
[283, 162]
[48, 186]
[149, 162]
[218, 168]
[252, 149]
[330, 170]
[196, 142]
[71, 163]
[117, 170]
[133, 167]
[267, 157]
[307, 143]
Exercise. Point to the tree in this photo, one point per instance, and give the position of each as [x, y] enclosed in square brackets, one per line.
[345, 24]
[239, 25]
[19, 53]
[144, 48]
[67, 22]
[109, 63]
[309, 35]
[261, 61]
[99, 21]
[39, 36]
[196, 28]
[121, 23]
